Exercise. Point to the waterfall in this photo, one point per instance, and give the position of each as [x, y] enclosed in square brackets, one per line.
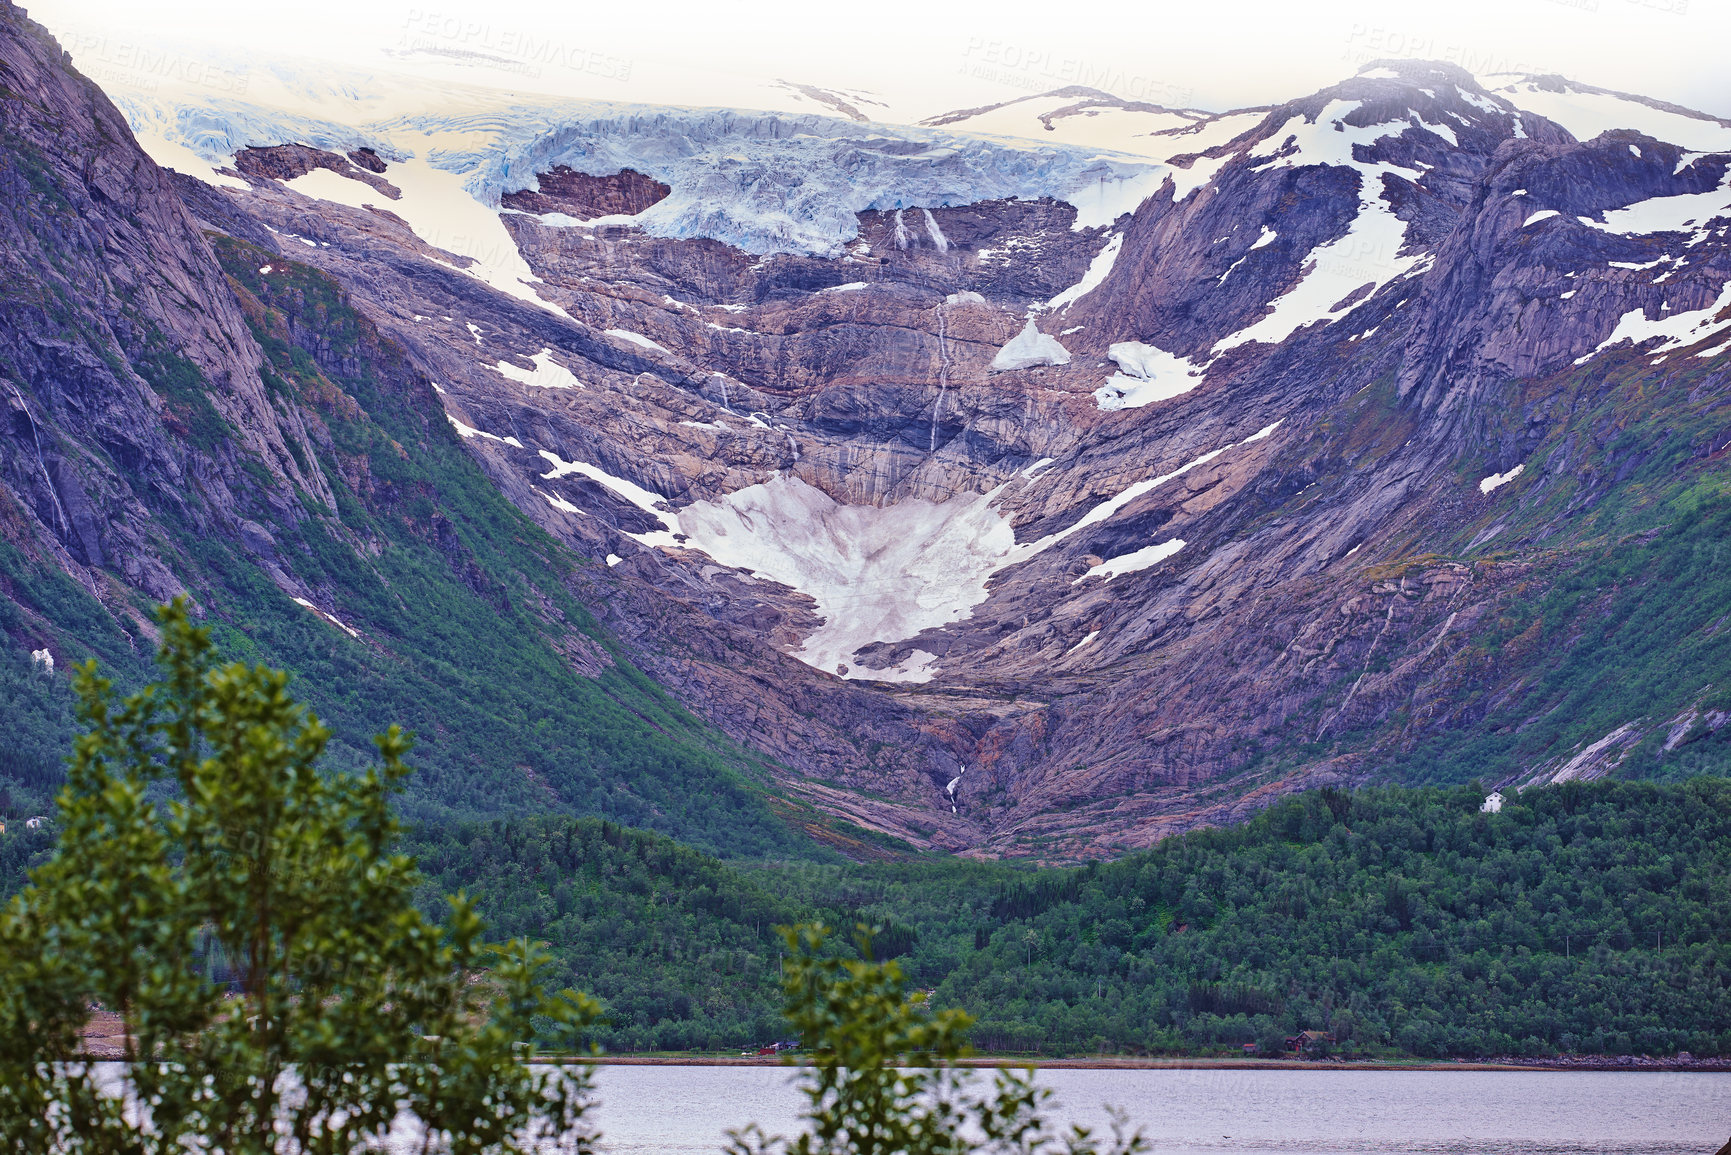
[902, 239]
[65, 526]
[936, 233]
[943, 379]
[951, 790]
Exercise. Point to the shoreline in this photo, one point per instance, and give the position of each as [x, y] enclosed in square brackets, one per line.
[1128, 1063]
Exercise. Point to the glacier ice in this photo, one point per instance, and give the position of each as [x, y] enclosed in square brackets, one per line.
[1028, 348]
[1149, 374]
[764, 182]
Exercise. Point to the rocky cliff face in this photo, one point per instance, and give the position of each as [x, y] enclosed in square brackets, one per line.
[128, 373]
[1029, 525]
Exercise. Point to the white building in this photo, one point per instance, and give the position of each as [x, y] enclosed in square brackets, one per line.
[1493, 803]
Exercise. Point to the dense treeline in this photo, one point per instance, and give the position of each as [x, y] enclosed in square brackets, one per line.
[679, 947]
[1589, 917]
[1585, 917]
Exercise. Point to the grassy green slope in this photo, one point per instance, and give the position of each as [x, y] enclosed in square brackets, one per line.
[1611, 566]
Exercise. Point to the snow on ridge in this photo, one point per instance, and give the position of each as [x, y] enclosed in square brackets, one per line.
[1368, 253]
[1586, 112]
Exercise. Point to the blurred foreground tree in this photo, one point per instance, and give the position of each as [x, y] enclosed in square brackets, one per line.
[880, 1074]
[196, 827]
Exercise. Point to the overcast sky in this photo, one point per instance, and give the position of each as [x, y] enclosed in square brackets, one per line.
[934, 56]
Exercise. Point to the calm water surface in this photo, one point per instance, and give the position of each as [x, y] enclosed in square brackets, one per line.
[675, 1110]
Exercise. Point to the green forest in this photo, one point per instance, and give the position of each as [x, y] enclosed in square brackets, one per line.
[1587, 918]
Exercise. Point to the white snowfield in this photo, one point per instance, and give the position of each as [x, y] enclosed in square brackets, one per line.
[1683, 213]
[877, 574]
[547, 373]
[1148, 374]
[438, 208]
[1148, 555]
[1028, 348]
[1369, 253]
[1498, 479]
[1674, 330]
[1588, 114]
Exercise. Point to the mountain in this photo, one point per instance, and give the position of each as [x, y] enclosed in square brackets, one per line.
[1042, 492]
[190, 414]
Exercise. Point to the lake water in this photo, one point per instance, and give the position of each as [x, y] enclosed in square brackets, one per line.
[675, 1110]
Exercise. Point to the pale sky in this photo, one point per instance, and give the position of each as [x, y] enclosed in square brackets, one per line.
[925, 58]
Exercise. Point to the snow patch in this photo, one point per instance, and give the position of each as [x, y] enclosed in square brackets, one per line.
[1098, 268]
[649, 502]
[1091, 636]
[1672, 214]
[1674, 332]
[1497, 479]
[1028, 348]
[439, 209]
[636, 339]
[466, 432]
[1141, 559]
[878, 574]
[331, 618]
[547, 373]
[1149, 374]
[1367, 254]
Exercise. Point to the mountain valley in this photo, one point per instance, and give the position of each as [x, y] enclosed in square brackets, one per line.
[753, 476]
